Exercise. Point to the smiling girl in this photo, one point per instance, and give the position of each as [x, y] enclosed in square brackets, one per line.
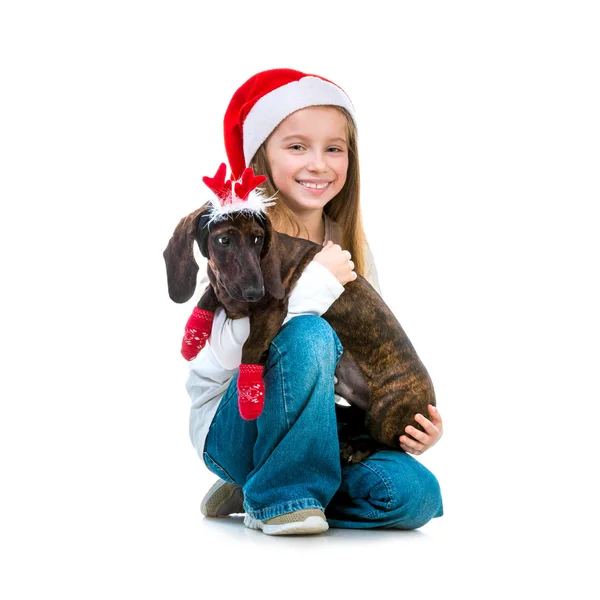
[283, 469]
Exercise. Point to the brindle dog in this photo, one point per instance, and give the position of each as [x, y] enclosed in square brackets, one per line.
[252, 269]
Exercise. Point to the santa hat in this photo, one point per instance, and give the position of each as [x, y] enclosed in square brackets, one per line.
[265, 100]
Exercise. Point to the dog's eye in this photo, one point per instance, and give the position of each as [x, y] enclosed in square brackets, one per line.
[224, 241]
[257, 239]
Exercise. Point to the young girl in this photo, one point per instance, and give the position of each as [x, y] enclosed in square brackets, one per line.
[283, 469]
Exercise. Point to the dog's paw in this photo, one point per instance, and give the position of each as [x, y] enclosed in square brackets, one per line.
[197, 331]
[357, 450]
[251, 391]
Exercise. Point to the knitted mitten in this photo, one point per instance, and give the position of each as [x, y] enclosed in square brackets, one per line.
[197, 331]
[251, 391]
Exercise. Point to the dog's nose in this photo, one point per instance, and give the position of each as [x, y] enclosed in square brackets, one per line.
[252, 294]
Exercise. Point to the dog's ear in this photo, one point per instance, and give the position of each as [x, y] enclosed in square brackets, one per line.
[202, 233]
[182, 268]
[270, 262]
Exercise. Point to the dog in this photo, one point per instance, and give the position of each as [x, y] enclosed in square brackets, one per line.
[252, 270]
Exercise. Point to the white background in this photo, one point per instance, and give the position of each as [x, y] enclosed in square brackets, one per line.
[479, 138]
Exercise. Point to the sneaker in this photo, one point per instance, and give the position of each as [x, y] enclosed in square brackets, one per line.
[222, 499]
[309, 520]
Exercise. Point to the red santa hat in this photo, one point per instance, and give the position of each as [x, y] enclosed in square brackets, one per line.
[265, 100]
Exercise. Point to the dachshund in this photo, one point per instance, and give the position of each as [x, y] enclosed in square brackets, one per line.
[252, 270]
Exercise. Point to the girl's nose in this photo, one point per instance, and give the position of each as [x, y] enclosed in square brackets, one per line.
[317, 162]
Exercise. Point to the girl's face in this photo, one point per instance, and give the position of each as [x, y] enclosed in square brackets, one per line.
[308, 157]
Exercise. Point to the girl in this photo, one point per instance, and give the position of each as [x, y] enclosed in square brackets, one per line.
[284, 468]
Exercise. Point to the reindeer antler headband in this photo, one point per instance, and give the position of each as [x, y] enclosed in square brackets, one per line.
[235, 196]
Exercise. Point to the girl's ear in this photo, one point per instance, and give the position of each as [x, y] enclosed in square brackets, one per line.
[270, 262]
[182, 268]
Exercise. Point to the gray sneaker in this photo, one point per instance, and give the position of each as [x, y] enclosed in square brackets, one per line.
[222, 499]
[306, 521]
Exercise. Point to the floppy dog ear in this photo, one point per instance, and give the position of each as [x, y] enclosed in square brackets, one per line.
[270, 262]
[182, 268]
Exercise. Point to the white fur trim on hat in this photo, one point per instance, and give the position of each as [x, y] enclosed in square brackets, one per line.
[275, 106]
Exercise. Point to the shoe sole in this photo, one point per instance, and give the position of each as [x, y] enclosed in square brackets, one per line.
[216, 486]
[308, 526]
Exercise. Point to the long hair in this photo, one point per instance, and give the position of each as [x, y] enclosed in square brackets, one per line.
[344, 208]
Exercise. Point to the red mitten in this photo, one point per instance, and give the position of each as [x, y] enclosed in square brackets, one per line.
[197, 331]
[251, 391]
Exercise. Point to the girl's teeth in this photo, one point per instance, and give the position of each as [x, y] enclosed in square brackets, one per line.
[315, 186]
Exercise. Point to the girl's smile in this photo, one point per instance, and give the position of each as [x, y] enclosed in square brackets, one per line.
[315, 188]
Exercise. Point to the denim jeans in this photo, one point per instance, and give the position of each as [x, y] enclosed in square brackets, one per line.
[289, 458]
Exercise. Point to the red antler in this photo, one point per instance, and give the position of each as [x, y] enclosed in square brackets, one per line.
[218, 185]
[242, 188]
[248, 183]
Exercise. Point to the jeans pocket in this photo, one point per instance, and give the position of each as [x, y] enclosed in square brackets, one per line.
[217, 469]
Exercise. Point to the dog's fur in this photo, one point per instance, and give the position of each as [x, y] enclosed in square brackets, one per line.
[252, 270]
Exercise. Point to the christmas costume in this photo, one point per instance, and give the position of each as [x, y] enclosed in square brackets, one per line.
[265, 100]
[230, 197]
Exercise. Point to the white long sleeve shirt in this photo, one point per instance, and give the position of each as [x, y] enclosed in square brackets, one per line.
[217, 363]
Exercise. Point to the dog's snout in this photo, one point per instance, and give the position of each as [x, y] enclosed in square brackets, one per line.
[254, 293]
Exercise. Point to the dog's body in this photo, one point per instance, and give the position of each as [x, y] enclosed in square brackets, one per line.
[379, 372]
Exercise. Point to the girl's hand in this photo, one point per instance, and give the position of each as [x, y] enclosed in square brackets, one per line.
[418, 441]
[337, 261]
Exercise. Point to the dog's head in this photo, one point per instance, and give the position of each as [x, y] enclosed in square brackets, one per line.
[242, 252]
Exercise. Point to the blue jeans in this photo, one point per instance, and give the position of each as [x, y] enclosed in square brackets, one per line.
[289, 458]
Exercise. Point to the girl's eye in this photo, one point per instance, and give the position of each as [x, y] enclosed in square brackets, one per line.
[295, 147]
[335, 149]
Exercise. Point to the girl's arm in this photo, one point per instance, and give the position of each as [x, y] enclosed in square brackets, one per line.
[315, 291]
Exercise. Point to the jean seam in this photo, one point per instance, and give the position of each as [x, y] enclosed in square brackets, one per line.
[288, 502]
[279, 364]
[225, 398]
[339, 350]
[386, 481]
[219, 467]
[313, 503]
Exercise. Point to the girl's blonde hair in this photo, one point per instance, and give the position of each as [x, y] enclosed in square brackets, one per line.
[344, 208]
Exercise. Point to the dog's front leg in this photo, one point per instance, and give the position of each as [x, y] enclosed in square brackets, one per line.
[199, 325]
[264, 326]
